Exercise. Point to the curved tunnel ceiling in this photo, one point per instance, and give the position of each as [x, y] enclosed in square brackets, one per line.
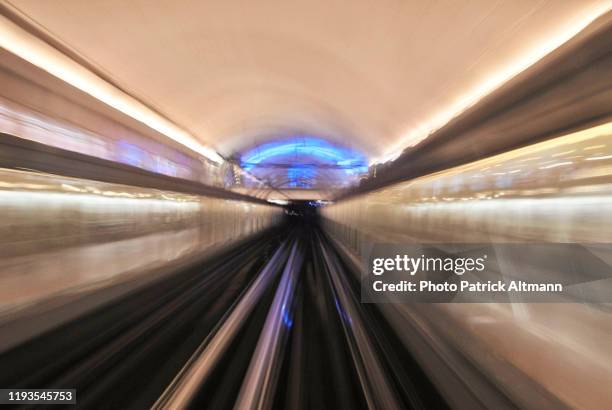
[371, 77]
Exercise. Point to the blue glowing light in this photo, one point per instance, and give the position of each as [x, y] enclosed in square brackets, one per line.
[300, 177]
[304, 159]
[343, 314]
[286, 316]
[131, 154]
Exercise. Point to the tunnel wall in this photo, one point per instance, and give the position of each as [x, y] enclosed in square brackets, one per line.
[555, 191]
[36, 106]
[96, 204]
[567, 90]
[63, 236]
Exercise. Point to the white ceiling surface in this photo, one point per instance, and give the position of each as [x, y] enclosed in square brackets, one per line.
[361, 73]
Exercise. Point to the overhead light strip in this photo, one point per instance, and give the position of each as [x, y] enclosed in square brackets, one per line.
[492, 82]
[23, 44]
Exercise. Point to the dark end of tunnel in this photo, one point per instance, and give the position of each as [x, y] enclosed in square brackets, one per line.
[304, 213]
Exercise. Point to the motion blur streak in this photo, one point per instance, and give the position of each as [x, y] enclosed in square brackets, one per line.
[574, 198]
[371, 374]
[37, 52]
[494, 80]
[184, 387]
[189, 191]
[257, 391]
[488, 202]
[54, 226]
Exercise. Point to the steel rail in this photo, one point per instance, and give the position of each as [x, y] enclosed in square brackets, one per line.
[377, 389]
[185, 386]
[259, 384]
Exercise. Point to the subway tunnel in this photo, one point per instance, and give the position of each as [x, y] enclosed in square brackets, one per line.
[306, 205]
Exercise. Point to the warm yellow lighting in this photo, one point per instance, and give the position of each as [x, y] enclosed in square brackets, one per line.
[558, 164]
[539, 50]
[278, 201]
[599, 158]
[23, 44]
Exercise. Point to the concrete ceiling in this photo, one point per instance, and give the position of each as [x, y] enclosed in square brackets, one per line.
[362, 74]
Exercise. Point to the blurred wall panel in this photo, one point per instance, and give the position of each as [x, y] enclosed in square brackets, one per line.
[545, 355]
[555, 191]
[36, 106]
[62, 235]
